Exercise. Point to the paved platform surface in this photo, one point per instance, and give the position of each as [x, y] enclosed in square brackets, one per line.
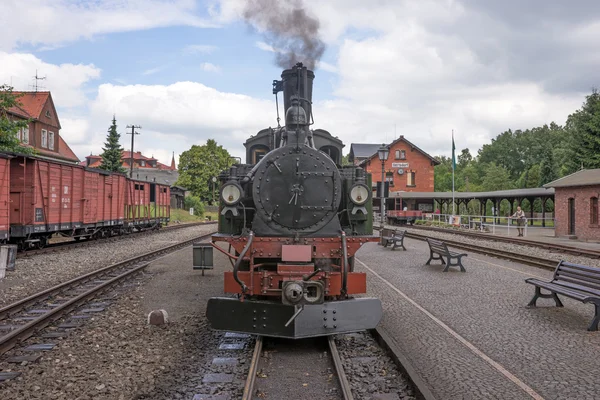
[471, 336]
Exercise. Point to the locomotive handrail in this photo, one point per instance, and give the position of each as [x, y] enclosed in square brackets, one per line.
[345, 263]
[238, 262]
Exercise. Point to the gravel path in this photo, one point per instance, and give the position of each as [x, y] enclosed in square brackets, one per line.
[528, 250]
[42, 271]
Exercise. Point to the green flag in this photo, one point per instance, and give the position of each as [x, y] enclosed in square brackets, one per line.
[453, 150]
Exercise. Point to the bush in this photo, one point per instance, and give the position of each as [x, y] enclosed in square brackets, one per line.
[195, 203]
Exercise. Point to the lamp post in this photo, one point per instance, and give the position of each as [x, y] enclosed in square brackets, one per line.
[214, 181]
[383, 154]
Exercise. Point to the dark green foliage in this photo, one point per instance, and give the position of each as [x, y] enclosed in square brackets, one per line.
[9, 128]
[198, 165]
[547, 169]
[583, 127]
[195, 203]
[111, 156]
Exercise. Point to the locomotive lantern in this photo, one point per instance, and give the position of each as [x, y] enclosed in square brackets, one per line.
[291, 220]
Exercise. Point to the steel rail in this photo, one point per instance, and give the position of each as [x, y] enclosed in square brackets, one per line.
[577, 251]
[539, 262]
[251, 379]
[337, 362]
[27, 330]
[68, 245]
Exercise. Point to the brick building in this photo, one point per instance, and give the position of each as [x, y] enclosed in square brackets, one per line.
[43, 132]
[144, 168]
[576, 205]
[407, 169]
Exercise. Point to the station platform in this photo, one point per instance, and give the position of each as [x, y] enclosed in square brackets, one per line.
[470, 335]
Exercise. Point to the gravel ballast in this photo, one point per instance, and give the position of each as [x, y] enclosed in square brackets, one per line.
[43, 271]
[117, 355]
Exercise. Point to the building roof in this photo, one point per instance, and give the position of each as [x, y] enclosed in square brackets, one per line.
[369, 147]
[363, 150]
[585, 177]
[95, 161]
[498, 194]
[32, 105]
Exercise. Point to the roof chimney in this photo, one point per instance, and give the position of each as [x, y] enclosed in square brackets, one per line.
[173, 162]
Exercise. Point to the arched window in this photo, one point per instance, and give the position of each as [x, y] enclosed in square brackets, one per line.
[594, 211]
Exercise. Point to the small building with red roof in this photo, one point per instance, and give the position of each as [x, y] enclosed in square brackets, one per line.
[144, 168]
[43, 133]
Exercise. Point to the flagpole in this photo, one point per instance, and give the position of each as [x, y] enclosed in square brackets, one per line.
[453, 162]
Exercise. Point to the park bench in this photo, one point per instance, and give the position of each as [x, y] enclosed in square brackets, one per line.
[578, 282]
[439, 248]
[389, 236]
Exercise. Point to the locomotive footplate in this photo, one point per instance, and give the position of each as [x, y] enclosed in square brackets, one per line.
[269, 319]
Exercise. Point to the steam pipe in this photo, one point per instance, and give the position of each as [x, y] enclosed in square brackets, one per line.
[237, 264]
[345, 260]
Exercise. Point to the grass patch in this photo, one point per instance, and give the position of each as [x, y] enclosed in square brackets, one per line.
[183, 216]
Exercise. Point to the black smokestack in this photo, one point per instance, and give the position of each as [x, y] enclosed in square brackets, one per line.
[290, 30]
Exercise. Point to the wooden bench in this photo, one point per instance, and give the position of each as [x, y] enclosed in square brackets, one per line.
[578, 282]
[439, 248]
[389, 236]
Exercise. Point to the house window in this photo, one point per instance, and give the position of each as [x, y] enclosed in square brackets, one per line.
[143, 163]
[48, 113]
[20, 134]
[44, 138]
[397, 154]
[594, 210]
[51, 140]
[410, 179]
[26, 135]
[389, 177]
[402, 154]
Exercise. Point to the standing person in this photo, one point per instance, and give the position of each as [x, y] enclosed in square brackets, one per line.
[520, 216]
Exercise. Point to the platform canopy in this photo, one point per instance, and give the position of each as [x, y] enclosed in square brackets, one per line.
[498, 194]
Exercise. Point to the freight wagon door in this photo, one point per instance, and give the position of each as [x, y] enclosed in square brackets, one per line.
[15, 208]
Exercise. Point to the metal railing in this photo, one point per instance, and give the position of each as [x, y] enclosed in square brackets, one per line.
[492, 224]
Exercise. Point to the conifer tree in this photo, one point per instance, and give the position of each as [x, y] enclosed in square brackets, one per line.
[111, 157]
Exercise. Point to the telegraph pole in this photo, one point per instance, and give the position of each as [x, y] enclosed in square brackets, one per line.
[132, 133]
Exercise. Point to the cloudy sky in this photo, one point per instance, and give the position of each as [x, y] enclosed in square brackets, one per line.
[188, 70]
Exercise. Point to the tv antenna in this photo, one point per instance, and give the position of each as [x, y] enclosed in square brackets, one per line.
[36, 79]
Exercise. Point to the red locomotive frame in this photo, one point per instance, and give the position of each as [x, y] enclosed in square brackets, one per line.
[295, 265]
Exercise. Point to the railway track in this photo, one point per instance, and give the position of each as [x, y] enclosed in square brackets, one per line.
[338, 363]
[27, 317]
[559, 248]
[71, 244]
[545, 263]
[255, 367]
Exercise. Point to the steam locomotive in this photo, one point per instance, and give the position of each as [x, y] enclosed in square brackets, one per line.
[292, 219]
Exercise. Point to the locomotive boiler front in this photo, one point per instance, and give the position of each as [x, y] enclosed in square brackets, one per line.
[296, 191]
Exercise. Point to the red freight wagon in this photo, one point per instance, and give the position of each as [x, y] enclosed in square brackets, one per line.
[4, 196]
[147, 204]
[50, 197]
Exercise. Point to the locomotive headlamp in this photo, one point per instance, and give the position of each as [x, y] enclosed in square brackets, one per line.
[359, 194]
[231, 193]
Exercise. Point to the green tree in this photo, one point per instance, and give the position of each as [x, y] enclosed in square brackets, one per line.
[111, 156]
[496, 178]
[198, 165]
[547, 169]
[9, 127]
[584, 129]
[345, 159]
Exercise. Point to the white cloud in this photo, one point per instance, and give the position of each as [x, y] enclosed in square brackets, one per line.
[152, 71]
[199, 49]
[266, 47]
[208, 67]
[52, 22]
[65, 81]
[174, 117]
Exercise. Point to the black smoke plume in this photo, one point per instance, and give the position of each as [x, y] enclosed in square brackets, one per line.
[290, 30]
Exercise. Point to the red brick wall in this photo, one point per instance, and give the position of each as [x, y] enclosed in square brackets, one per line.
[417, 162]
[581, 195]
